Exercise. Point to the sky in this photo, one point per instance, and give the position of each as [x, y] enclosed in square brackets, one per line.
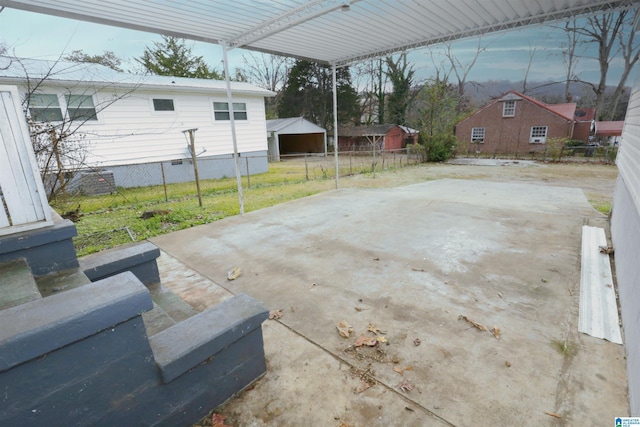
[507, 55]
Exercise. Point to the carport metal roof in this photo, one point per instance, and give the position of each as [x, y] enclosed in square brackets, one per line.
[330, 31]
[335, 32]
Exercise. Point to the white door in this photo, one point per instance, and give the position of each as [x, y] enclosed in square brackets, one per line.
[23, 204]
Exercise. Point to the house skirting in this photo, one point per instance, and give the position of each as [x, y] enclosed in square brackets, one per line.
[181, 170]
[625, 234]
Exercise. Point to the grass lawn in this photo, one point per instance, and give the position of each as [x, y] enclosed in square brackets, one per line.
[114, 219]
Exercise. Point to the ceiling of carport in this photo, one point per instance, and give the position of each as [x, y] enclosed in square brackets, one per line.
[330, 31]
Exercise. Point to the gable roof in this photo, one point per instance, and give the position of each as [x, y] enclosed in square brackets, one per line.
[18, 70]
[565, 111]
[293, 125]
[328, 31]
[373, 130]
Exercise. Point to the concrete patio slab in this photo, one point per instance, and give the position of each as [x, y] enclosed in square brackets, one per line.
[421, 263]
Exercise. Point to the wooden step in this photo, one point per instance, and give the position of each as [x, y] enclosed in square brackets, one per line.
[17, 284]
[168, 309]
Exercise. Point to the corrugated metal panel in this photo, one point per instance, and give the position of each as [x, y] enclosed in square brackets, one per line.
[320, 29]
[598, 309]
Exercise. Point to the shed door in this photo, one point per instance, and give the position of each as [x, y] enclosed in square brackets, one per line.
[23, 204]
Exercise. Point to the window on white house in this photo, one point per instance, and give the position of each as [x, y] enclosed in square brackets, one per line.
[81, 107]
[538, 134]
[477, 135]
[163, 104]
[221, 111]
[45, 108]
[509, 109]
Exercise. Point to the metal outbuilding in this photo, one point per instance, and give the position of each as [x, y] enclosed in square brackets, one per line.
[295, 135]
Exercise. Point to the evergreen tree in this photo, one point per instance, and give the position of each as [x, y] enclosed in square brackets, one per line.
[308, 93]
[400, 73]
[108, 59]
[172, 57]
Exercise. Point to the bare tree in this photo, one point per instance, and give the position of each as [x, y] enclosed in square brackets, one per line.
[59, 139]
[569, 57]
[532, 54]
[461, 69]
[269, 72]
[630, 51]
[371, 80]
[604, 30]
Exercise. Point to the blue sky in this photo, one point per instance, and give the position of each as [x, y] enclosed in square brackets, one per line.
[34, 35]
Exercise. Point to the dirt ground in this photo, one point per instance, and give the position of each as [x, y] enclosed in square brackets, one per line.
[470, 272]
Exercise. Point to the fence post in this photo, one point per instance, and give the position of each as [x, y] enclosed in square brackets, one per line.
[164, 182]
[248, 174]
[306, 167]
[373, 165]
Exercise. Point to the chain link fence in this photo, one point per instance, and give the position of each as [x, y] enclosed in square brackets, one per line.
[128, 203]
[133, 202]
[581, 153]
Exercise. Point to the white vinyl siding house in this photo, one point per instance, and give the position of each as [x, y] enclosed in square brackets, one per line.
[132, 120]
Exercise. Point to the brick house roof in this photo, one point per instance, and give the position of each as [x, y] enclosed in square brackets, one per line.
[566, 111]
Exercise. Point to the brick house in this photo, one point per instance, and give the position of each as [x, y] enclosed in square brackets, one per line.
[516, 123]
[386, 137]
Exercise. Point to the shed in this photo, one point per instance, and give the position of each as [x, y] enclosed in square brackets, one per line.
[610, 131]
[295, 135]
[385, 137]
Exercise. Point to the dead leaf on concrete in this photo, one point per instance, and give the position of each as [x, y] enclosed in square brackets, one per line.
[363, 386]
[365, 340]
[217, 420]
[551, 414]
[476, 325]
[606, 250]
[398, 370]
[234, 273]
[360, 308]
[500, 295]
[496, 332]
[382, 339]
[275, 314]
[344, 329]
[405, 386]
[507, 363]
[373, 328]
[418, 269]
[416, 342]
